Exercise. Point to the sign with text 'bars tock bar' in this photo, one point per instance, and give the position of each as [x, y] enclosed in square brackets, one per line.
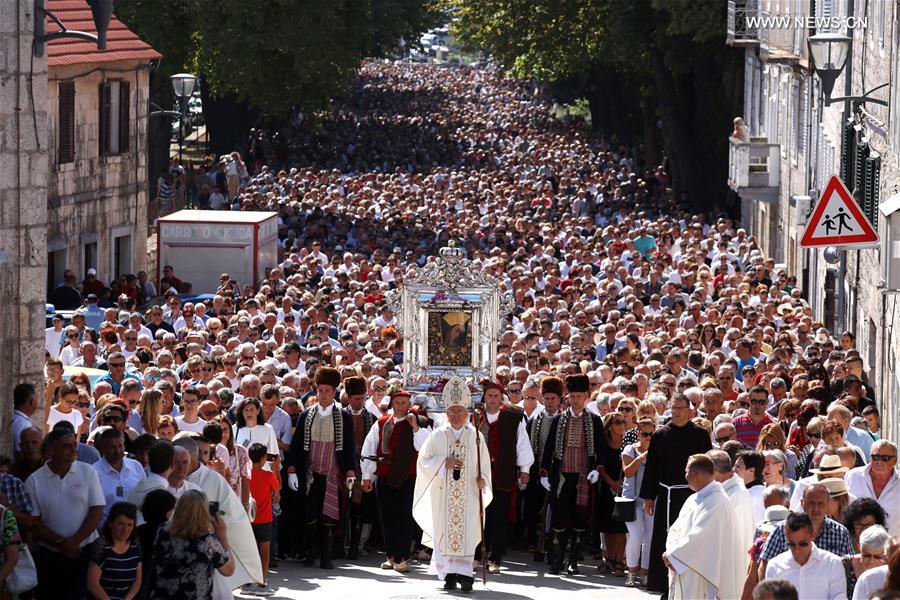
[837, 220]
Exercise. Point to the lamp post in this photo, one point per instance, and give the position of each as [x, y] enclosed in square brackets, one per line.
[183, 86]
[829, 53]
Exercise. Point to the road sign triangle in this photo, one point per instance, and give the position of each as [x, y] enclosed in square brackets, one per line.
[837, 220]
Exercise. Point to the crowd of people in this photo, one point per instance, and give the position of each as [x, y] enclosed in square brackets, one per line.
[665, 405]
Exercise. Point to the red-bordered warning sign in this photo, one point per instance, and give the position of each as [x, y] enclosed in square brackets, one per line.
[837, 220]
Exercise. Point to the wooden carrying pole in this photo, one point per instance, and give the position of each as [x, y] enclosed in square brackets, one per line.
[484, 569]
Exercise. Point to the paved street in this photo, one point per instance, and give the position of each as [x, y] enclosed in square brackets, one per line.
[520, 580]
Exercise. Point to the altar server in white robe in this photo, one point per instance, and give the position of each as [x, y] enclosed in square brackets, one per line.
[744, 523]
[703, 551]
[449, 481]
[248, 568]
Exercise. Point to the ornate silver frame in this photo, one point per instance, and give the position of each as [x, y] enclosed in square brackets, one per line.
[448, 283]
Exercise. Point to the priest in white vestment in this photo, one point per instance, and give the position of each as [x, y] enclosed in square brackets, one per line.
[744, 523]
[702, 548]
[449, 480]
[248, 568]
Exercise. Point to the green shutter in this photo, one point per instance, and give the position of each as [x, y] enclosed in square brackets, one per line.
[848, 153]
[871, 182]
[859, 167]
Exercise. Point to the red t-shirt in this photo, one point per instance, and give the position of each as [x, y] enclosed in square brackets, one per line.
[262, 485]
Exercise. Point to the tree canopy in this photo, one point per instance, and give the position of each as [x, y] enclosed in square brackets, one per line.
[275, 54]
[645, 61]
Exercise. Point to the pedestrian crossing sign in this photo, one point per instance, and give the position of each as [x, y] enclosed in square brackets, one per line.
[837, 220]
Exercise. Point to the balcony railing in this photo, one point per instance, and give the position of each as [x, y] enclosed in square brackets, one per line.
[743, 28]
[754, 169]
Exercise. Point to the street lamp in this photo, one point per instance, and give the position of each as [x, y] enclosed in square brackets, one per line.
[183, 86]
[829, 53]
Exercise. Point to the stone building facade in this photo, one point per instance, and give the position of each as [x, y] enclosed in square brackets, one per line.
[23, 207]
[98, 109]
[798, 142]
[64, 212]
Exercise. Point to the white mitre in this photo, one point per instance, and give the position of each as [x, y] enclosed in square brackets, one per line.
[456, 393]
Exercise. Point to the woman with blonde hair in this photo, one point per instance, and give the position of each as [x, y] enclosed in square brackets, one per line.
[772, 437]
[149, 408]
[628, 409]
[188, 548]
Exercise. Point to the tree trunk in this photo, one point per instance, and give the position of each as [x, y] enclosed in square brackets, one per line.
[690, 164]
[650, 133]
[159, 129]
[227, 121]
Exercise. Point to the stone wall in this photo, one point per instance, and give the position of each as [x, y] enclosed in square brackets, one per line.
[23, 208]
[873, 315]
[97, 198]
[862, 306]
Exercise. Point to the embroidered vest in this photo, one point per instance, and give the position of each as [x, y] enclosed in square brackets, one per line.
[337, 422]
[561, 431]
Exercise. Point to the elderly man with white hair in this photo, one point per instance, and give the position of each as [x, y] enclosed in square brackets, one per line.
[880, 481]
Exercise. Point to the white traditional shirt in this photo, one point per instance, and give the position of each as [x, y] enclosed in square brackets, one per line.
[822, 577]
[370, 446]
[524, 453]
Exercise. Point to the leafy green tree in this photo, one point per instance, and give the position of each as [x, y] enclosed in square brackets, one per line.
[637, 61]
[259, 59]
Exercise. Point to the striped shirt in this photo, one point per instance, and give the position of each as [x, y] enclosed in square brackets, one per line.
[117, 571]
[747, 431]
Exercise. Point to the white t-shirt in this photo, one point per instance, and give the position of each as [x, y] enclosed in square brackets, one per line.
[194, 427]
[261, 434]
[74, 417]
[68, 355]
[51, 341]
[63, 503]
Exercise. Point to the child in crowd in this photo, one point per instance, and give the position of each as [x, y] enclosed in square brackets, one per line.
[264, 488]
[873, 421]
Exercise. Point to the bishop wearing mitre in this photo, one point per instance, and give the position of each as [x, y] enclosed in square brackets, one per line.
[449, 481]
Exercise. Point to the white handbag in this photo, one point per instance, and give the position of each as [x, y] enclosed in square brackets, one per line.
[24, 576]
[251, 509]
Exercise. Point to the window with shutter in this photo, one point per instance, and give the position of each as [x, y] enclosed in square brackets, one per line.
[105, 117]
[795, 120]
[859, 173]
[115, 129]
[124, 115]
[848, 154]
[804, 118]
[66, 122]
[871, 183]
